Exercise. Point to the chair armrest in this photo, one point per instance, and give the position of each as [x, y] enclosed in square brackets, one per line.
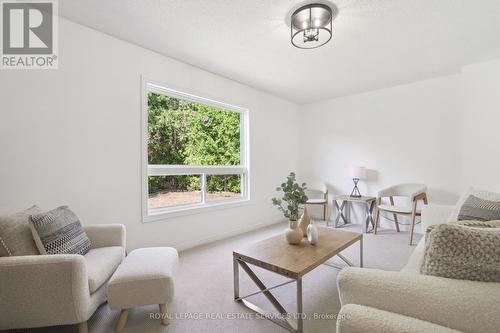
[467, 306]
[43, 290]
[103, 235]
[435, 214]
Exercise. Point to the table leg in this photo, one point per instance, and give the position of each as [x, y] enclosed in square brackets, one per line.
[369, 215]
[236, 277]
[337, 218]
[300, 319]
[361, 252]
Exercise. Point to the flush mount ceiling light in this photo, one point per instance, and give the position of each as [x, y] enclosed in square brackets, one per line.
[311, 25]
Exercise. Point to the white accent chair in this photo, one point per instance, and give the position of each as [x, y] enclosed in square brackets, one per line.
[414, 192]
[64, 289]
[378, 301]
[318, 194]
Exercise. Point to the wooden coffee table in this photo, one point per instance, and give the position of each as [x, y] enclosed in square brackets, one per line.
[293, 261]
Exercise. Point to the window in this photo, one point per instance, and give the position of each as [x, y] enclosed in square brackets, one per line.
[194, 153]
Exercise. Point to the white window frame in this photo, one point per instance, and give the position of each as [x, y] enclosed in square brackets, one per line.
[203, 170]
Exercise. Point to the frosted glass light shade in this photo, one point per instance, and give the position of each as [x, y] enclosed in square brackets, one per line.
[358, 172]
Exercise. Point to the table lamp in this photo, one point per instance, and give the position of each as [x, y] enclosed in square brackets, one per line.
[357, 173]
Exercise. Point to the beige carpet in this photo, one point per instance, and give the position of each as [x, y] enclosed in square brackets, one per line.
[204, 295]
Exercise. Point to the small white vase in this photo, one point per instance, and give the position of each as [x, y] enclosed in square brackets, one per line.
[304, 221]
[312, 233]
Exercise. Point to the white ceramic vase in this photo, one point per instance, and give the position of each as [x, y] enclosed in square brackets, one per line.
[312, 233]
[304, 221]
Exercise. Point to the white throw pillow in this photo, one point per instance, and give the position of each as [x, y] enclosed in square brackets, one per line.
[481, 194]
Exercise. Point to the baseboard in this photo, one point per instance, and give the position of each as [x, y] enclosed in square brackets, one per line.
[231, 233]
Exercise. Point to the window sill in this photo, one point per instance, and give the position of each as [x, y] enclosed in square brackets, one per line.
[168, 213]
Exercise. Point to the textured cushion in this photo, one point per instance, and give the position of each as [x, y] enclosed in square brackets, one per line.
[146, 276]
[101, 263]
[15, 234]
[59, 232]
[466, 251]
[482, 194]
[477, 209]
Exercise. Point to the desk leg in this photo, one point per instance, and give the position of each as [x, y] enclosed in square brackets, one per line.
[300, 318]
[369, 215]
[339, 211]
[236, 277]
[361, 252]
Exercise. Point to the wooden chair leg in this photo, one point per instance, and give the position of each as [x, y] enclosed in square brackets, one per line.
[377, 221]
[413, 217]
[324, 211]
[164, 314]
[120, 325]
[83, 328]
[396, 222]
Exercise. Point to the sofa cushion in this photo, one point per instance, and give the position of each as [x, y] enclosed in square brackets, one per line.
[477, 209]
[15, 234]
[482, 194]
[467, 250]
[101, 264]
[354, 318]
[59, 232]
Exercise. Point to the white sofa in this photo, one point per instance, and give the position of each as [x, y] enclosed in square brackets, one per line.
[381, 301]
[50, 290]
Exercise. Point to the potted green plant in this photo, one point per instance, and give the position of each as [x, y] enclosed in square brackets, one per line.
[294, 198]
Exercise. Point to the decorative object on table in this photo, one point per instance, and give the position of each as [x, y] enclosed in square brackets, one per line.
[305, 220]
[414, 192]
[357, 173]
[293, 233]
[322, 189]
[59, 231]
[344, 210]
[294, 198]
[312, 233]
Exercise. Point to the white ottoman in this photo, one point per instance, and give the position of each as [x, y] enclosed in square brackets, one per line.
[146, 276]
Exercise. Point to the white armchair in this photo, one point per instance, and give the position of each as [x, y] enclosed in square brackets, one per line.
[318, 195]
[51, 290]
[379, 301]
[414, 192]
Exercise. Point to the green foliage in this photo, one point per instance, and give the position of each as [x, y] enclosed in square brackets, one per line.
[188, 133]
[294, 197]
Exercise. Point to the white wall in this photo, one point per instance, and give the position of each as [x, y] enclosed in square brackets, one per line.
[442, 132]
[407, 133]
[480, 125]
[72, 136]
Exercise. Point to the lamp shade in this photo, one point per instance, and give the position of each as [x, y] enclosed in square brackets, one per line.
[358, 172]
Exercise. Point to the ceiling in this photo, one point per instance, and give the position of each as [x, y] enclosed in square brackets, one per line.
[375, 44]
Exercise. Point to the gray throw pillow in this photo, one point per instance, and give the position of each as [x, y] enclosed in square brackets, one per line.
[463, 250]
[59, 231]
[478, 209]
[15, 233]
